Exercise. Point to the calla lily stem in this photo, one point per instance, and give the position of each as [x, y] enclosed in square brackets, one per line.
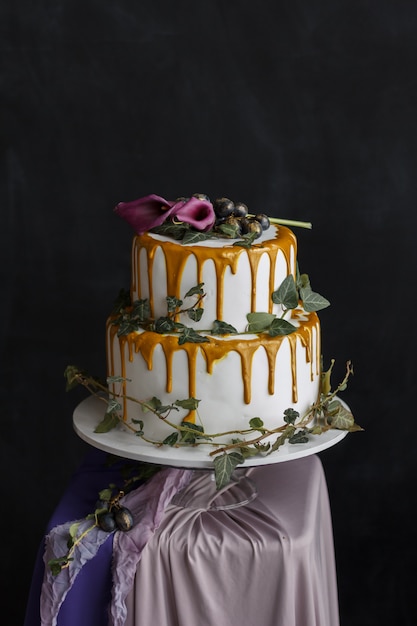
[283, 222]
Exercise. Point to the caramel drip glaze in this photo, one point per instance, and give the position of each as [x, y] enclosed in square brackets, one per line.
[177, 255]
[216, 349]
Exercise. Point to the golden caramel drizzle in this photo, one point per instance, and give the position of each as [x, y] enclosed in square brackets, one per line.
[177, 255]
[214, 350]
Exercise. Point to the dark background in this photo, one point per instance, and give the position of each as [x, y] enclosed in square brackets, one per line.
[305, 110]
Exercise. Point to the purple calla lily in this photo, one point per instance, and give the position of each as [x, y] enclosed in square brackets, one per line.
[197, 213]
[145, 213]
[150, 211]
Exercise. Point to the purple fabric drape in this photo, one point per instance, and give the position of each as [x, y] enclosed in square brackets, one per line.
[102, 572]
[270, 562]
[87, 602]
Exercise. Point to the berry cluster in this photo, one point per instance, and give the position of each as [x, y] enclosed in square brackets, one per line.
[112, 516]
[236, 215]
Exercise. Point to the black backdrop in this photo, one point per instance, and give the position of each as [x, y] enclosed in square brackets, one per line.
[305, 110]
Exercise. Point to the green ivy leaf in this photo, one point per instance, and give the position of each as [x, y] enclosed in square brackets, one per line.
[164, 325]
[256, 423]
[195, 291]
[246, 241]
[194, 236]
[138, 422]
[122, 301]
[313, 301]
[56, 565]
[106, 494]
[303, 280]
[71, 374]
[193, 432]
[286, 294]
[341, 418]
[259, 322]
[290, 416]
[72, 531]
[299, 437]
[287, 433]
[195, 314]
[190, 404]
[222, 328]
[280, 326]
[116, 379]
[173, 303]
[152, 405]
[191, 336]
[109, 421]
[165, 408]
[171, 440]
[228, 230]
[141, 309]
[192, 426]
[224, 466]
[171, 229]
[113, 405]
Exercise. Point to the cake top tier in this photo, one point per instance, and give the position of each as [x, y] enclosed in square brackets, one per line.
[241, 264]
[196, 218]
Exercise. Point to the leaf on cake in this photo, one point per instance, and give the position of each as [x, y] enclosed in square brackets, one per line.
[173, 303]
[224, 466]
[191, 433]
[222, 328]
[286, 294]
[189, 335]
[195, 291]
[259, 322]
[281, 327]
[109, 421]
[195, 314]
[257, 423]
[300, 436]
[313, 301]
[340, 418]
[194, 236]
[190, 404]
[164, 325]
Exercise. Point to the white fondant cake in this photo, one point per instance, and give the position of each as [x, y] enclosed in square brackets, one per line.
[180, 348]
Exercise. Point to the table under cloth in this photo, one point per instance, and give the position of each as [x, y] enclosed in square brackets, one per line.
[269, 563]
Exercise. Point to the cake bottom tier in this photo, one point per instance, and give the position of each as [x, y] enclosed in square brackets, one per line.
[234, 378]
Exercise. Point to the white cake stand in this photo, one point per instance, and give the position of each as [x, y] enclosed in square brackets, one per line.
[241, 488]
[124, 444]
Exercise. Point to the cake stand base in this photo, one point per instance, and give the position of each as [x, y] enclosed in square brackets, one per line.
[122, 443]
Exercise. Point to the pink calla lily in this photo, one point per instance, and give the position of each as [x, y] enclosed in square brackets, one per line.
[197, 213]
[150, 211]
[145, 213]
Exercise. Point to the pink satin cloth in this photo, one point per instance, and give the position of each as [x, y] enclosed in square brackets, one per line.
[268, 563]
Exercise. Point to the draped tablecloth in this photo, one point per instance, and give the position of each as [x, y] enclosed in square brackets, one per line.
[269, 563]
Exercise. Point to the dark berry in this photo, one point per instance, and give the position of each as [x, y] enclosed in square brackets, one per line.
[254, 227]
[223, 207]
[244, 225]
[106, 521]
[123, 518]
[241, 210]
[235, 224]
[232, 220]
[201, 196]
[263, 220]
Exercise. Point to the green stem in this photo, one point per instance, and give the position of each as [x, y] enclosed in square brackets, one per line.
[283, 222]
[276, 220]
